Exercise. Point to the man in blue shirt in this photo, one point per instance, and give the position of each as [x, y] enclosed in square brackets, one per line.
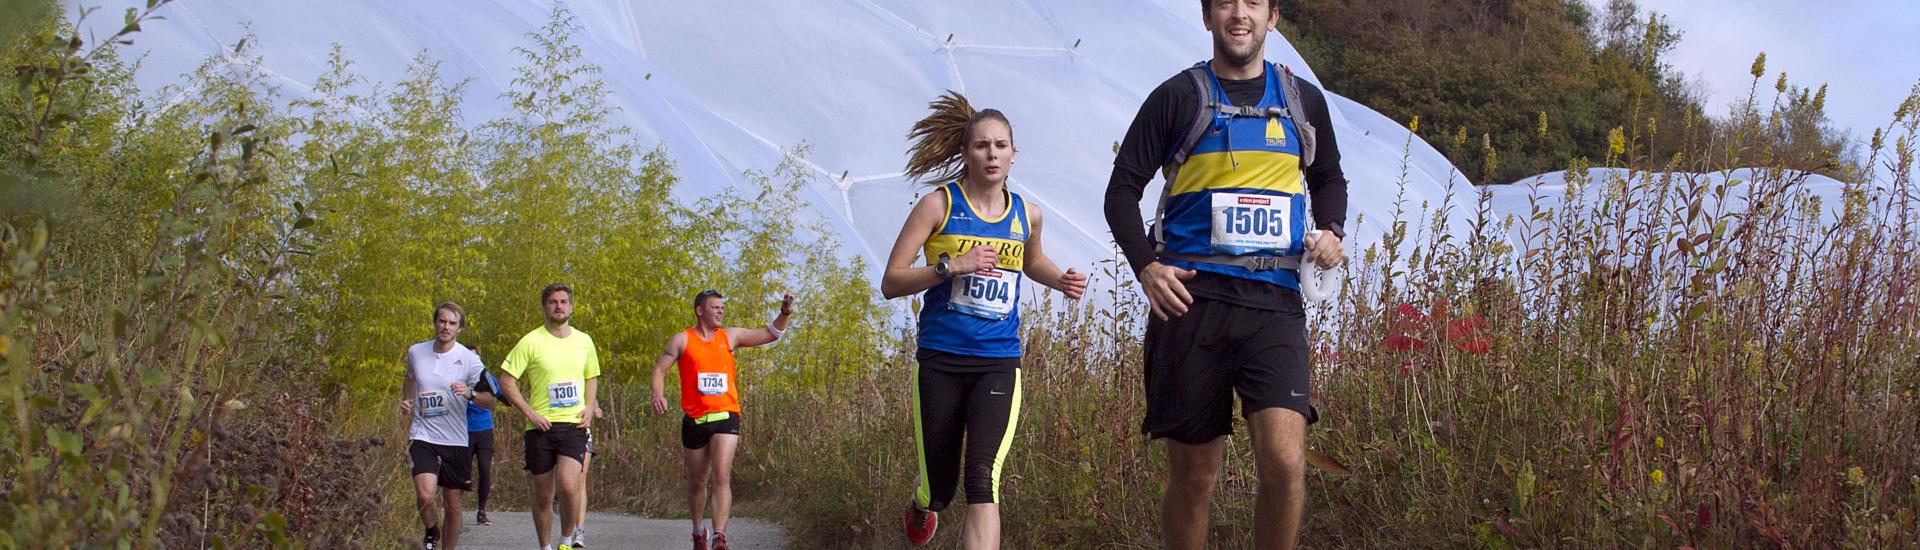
[480, 442]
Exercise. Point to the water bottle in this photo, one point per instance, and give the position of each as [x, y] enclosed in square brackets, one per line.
[1317, 284]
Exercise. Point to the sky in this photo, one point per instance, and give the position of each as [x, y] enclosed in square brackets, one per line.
[1868, 51]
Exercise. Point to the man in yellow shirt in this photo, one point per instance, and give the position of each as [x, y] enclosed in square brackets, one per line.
[562, 371]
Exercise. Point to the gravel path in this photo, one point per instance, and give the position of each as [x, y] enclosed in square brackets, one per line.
[514, 531]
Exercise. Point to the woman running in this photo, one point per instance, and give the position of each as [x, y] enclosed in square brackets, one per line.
[980, 240]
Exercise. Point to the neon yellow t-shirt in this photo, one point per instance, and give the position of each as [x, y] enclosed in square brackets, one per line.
[556, 371]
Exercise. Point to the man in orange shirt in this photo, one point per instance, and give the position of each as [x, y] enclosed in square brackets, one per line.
[710, 395]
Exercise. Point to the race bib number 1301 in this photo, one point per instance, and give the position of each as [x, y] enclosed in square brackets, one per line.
[563, 394]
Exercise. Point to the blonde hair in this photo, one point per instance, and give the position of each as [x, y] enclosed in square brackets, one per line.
[939, 139]
[453, 307]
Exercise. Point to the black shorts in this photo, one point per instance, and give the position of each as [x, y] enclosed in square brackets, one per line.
[454, 465]
[696, 435]
[544, 449]
[1198, 361]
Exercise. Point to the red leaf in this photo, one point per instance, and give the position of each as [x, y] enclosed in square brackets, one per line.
[1404, 343]
[1476, 347]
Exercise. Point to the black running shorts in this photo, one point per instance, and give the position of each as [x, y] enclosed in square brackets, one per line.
[695, 434]
[544, 449]
[1197, 362]
[453, 465]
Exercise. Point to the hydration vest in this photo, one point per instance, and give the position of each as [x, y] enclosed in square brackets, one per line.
[1235, 200]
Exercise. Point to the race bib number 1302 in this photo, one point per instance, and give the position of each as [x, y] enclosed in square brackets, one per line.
[431, 404]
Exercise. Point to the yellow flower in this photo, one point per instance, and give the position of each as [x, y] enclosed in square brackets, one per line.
[1659, 442]
[1658, 476]
[1856, 477]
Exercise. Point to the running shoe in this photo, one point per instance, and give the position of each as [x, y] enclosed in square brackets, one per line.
[921, 525]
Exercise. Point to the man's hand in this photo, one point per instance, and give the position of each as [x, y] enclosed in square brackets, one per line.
[539, 421]
[1326, 249]
[976, 259]
[1073, 284]
[659, 404]
[406, 407]
[1166, 289]
[460, 388]
[786, 305]
[586, 416]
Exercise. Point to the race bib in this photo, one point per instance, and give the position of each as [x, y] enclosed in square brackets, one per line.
[712, 383]
[1252, 223]
[561, 395]
[431, 404]
[987, 294]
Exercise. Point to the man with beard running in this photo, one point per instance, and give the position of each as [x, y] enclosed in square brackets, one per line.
[561, 368]
[1247, 153]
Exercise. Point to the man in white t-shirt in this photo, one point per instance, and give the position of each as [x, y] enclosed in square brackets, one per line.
[442, 377]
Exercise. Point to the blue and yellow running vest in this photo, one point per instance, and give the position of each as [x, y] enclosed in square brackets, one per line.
[978, 314]
[1240, 194]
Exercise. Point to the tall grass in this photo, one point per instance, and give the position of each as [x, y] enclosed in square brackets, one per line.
[1694, 356]
[1676, 359]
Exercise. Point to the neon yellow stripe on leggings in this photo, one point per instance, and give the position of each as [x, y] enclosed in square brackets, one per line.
[923, 495]
[1006, 441]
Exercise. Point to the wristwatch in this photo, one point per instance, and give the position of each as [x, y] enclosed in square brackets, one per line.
[1336, 230]
[942, 269]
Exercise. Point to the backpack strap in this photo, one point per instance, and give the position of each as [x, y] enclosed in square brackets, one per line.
[1206, 107]
[1290, 89]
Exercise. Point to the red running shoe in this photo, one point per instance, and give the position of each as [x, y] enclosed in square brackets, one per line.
[921, 525]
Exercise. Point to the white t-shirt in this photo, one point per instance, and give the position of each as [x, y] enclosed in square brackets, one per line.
[440, 415]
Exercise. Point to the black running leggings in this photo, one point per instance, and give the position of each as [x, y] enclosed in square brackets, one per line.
[976, 409]
[482, 444]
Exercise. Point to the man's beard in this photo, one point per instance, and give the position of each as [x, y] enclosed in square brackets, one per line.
[1255, 46]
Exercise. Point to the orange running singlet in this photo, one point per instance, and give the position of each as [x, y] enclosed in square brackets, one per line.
[707, 378]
